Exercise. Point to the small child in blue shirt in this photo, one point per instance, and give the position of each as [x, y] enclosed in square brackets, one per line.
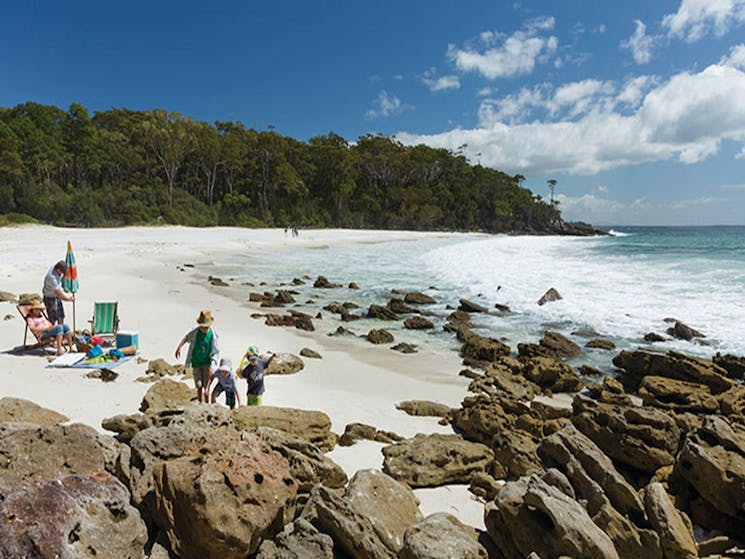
[254, 375]
[226, 382]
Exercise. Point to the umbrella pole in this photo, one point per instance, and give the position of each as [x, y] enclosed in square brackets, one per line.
[73, 317]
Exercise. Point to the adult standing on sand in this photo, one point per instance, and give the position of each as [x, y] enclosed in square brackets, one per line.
[203, 354]
[54, 294]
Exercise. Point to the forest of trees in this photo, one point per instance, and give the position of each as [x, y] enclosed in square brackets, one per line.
[121, 167]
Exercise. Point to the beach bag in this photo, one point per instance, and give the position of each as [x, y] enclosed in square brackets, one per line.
[95, 351]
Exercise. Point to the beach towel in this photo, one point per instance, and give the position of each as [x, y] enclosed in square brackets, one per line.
[79, 361]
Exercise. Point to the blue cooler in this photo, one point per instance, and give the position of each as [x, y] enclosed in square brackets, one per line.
[127, 338]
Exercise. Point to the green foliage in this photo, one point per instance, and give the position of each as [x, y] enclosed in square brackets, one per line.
[122, 167]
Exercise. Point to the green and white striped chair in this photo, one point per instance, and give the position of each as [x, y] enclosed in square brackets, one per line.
[105, 321]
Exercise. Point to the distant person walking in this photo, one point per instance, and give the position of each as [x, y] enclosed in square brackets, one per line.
[203, 354]
[54, 294]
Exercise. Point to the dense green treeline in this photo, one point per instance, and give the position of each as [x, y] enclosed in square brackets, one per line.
[122, 167]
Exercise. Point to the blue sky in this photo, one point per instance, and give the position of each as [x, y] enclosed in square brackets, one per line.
[637, 108]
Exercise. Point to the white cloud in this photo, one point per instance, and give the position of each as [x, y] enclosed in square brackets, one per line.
[440, 84]
[741, 154]
[640, 44]
[506, 56]
[736, 57]
[697, 18]
[603, 189]
[485, 91]
[601, 28]
[385, 105]
[686, 117]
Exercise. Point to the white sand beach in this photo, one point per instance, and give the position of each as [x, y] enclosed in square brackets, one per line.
[141, 268]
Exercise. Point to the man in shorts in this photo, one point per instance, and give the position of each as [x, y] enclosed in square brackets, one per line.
[54, 294]
[203, 354]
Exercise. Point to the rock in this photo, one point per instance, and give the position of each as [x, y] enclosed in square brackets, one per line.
[441, 536]
[638, 364]
[379, 336]
[359, 431]
[32, 453]
[298, 540]
[323, 283]
[560, 346]
[481, 348]
[285, 364]
[390, 506]
[481, 417]
[587, 371]
[529, 507]
[161, 368]
[433, 460]
[416, 298]
[684, 332]
[7, 296]
[550, 296]
[599, 343]
[484, 486]
[515, 453]
[424, 408]
[127, 426]
[297, 281]
[712, 460]
[399, 307]
[72, 516]
[403, 347]
[309, 466]
[471, 307]
[353, 533]
[104, 375]
[653, 337]
[677, 395]
[353, 285]
[639, 438]
[552, 375]
[223, 504]
[502, 308]
[219, 283]
[675, 538]
[167, 394]
[283, 297]
[381, 313]
[312, 354]
[16, 410]
[609, 392]
[418, 323]
[9, 317]
[313, 426]
[735, 366]
[341, 331]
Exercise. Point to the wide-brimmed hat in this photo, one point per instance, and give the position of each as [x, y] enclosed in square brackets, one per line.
[205, 318]
[36, 304]
[225, 365]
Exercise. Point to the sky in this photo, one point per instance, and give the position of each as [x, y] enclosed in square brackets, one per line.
[636, 108]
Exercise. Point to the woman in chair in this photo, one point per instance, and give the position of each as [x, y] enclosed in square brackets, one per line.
[44, 330]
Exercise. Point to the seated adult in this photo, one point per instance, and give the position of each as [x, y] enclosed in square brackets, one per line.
[44, 330]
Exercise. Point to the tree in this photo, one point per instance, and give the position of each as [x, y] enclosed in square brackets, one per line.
[551, 187]
[169, 136]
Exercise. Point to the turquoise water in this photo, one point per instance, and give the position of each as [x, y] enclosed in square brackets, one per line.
[620, 286]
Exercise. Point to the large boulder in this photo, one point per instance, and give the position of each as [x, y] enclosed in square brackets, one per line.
[16, 410]
[354, 432]
[471, 307]
[390, 505]
[379, 336]
[481, 348]
[441, 536]
[712, 460]
[416, 298]
[313, 426]
[677, 395]
[676, 537]
[222, 501]
[75, 516]
[127, 426]
[639, 438]
[424, 408]
[684, 332]
[559, 346]
[285, 364]
[31, 453]
[323, 283]
[298, 540]
[381, 313]
[549, 296]
[167, 394]
[418, 323]
[433, 460]
[553, 375]
[734, 365]
[530, 515]
[352, 532]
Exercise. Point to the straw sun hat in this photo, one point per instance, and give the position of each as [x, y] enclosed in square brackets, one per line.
[205, 318]
[37, 305]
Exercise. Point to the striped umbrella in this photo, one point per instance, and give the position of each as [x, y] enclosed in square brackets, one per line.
[70, 279]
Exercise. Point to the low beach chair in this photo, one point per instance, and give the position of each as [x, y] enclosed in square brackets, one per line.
[105, 321]
[24, 310]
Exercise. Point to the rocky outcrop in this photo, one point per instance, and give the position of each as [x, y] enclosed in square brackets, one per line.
[482, 349]
[552, 375]
[549, 296]
[224, 503]
[418, 323]
[381, 313]
[600, 343]
[167, 394]
[312, 426]
[676, 537]
[609, 392]
[285, 364]
[433, 460]
[359, 431]
[684, 332]
[390, 505]
[310, 353]
[471, 307]
[323, 283]
[379, 336]
[72, 516]
[403, 347]
[298, 540]
[677, 395]
[399, 307]
[638, 438]
[416, 298]
[441, 536]
[734, 365]
[424, 408]
[16, 410]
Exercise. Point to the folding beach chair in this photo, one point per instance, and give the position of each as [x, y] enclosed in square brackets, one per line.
[24, 310]
[105, 321]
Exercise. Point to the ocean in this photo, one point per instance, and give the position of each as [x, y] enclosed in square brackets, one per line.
[618, 287]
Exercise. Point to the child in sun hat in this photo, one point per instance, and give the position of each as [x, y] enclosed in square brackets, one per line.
[203, 354]
[253, 372]
[226, 383]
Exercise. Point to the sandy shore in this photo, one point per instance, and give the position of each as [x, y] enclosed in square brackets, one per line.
[141, 268]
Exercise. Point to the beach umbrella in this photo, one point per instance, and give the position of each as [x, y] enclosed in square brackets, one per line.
[70, 279]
